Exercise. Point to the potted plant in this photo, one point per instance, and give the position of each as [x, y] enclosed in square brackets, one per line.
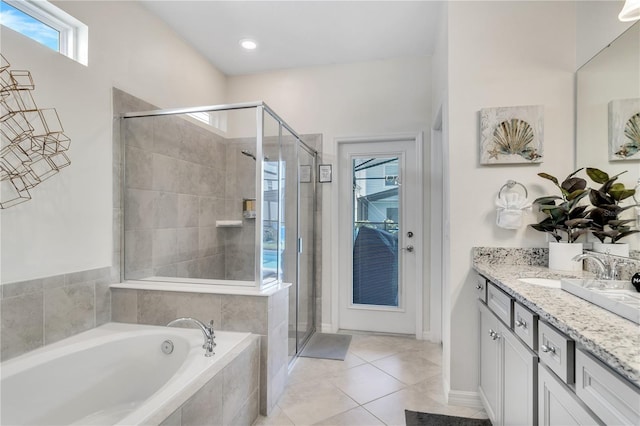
[606, 224]
[565, 220]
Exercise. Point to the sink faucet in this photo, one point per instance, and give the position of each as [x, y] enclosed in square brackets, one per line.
[207, 331]
[605, 271]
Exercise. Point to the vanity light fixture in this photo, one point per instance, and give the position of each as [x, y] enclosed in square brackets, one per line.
[630, 11]
[248, 44]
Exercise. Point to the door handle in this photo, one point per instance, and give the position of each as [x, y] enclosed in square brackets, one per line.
[408, 248]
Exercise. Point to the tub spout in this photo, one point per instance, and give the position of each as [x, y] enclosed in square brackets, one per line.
[207, 331]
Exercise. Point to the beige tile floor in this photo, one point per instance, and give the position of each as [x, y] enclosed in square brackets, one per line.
[380, 378]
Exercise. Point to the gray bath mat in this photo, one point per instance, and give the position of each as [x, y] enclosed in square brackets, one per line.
[416, 418]
[327, 346]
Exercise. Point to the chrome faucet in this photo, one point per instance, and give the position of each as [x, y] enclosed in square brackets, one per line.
[207, 331]
[605, 271]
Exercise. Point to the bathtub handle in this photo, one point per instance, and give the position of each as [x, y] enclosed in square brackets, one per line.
[207, 331]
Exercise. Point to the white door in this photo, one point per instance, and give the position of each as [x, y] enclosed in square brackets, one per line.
[380, 249]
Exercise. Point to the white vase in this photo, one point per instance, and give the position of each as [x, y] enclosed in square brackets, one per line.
[561, 256]
[617, 249]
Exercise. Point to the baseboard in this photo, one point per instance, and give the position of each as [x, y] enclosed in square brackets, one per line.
[326, 328]
[465, 399]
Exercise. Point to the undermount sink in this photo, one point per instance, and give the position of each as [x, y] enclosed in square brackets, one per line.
[541, 282]
[615, 296]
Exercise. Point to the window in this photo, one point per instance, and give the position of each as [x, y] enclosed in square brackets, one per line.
[48, 25]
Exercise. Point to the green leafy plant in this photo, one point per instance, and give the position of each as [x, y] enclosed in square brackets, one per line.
[564, 217]
[605, 215]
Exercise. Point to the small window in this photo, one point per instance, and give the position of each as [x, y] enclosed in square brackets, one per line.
[48, 25]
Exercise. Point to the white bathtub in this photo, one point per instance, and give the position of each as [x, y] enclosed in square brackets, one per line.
[113, 374]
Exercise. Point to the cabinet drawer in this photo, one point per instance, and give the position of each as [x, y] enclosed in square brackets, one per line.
[525, 325]
[556, 351]
[608, 395]
[481, 288]
[500, 304]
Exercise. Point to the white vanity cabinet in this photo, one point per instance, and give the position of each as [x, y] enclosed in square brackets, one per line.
[559, 406]
[508, 372]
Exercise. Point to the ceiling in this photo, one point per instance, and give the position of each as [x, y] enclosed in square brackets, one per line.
[293, 34]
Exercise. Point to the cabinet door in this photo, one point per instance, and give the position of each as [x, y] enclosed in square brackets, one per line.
[557, 405]
[520, 379]
[489, 362]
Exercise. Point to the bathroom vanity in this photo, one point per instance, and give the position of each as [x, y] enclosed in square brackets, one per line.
[549, 357]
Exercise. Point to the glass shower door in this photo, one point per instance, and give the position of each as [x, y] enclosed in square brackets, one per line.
[306, 245]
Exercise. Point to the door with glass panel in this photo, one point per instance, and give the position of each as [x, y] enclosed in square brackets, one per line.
[379, 209]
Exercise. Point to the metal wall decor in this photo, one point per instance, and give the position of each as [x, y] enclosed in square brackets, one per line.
[32, 142]
[624, 129]
[511, 135]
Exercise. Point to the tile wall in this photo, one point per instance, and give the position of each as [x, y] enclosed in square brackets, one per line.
[42, 311]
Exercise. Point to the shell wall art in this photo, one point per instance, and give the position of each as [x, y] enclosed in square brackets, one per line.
[32, 142]
[511, 135]
[624, 129]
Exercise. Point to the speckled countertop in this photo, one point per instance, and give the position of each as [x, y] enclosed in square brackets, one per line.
[609, 337]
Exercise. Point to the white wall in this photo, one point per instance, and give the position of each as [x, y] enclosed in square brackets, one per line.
[597, 25]
[67, 226]
[361, 99]
[500, 54]
[438, 181]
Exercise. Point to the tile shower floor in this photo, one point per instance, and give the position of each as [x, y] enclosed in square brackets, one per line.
[380, 378]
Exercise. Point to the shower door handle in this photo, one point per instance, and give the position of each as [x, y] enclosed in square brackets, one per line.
[299, 245]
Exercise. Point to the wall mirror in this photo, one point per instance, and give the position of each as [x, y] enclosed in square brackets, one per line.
[608, 118]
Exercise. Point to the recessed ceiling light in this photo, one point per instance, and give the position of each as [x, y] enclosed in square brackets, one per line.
[248, 44]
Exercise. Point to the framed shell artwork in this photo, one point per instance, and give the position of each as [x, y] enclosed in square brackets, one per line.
[624, 129]
[511, 135]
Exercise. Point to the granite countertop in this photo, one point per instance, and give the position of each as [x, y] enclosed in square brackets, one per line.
[609, 337]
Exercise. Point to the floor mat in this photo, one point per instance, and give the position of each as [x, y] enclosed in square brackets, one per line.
[416, 418]
[327, 346]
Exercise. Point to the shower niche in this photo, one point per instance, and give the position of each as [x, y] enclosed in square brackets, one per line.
[211, 196]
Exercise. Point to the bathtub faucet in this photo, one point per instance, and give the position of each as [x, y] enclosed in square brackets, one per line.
[207, 331]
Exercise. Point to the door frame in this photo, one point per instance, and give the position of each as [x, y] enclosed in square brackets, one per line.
[417, 140]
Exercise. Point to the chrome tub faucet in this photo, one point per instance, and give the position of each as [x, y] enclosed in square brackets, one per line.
[207, 331]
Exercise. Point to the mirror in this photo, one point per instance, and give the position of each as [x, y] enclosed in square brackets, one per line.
[607, 109]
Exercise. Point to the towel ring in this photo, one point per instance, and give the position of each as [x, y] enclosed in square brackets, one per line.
[510, 184]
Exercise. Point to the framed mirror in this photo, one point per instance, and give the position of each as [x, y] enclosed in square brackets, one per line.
[608, 120]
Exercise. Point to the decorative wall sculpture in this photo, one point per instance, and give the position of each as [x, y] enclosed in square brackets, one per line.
[511, 135]
[624, 129]
[32, 142]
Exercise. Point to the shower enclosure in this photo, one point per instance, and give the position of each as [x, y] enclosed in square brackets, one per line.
[221, 195]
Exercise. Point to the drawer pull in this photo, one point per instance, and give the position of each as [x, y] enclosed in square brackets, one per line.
[520, 323]
[546, 349]
[479, 287]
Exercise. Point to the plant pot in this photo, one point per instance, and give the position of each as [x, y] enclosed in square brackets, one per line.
[561, 255]
[614, 249]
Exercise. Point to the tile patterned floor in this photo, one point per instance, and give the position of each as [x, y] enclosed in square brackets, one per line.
[380, 378]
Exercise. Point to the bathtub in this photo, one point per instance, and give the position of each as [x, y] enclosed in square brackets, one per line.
[114, 374]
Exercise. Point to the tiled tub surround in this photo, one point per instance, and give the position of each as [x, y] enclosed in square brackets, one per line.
[264, 313]
[609, 337]
[38, 312]
[146, 387]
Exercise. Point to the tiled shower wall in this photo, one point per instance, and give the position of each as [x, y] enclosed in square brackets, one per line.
[42, 311]
[180, 179]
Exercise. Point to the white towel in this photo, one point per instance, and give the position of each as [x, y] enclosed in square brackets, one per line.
[510, 208]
